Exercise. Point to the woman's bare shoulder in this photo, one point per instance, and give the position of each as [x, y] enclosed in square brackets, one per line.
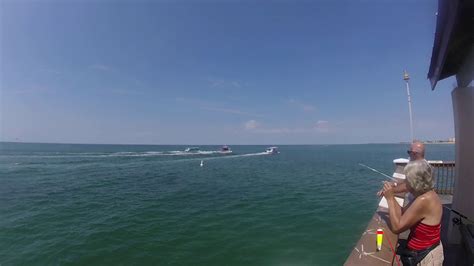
[430, 196]
[433, 197]
[428, 201]
[431, 206]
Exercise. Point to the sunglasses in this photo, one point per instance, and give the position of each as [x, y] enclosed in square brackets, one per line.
[411, 152]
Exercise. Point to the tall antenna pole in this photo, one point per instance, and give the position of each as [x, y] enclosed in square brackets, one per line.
[406, 78]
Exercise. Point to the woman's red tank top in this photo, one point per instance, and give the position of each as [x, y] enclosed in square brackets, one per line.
[423, 236]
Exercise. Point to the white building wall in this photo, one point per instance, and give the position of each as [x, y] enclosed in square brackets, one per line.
[463, 198]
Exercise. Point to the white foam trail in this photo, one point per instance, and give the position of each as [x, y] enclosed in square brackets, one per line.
[239, 155]
[115, 154]
[221, 157]
[144, 154]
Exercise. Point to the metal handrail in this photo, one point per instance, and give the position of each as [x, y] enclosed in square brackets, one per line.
[444, 174]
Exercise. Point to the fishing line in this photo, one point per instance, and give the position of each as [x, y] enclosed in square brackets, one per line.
[374, 170]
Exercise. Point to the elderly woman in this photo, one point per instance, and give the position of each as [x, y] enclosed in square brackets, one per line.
[422, 217]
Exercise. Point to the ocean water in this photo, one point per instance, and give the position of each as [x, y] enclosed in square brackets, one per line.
[136, 205]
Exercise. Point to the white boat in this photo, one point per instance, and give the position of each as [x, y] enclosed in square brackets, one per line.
[192, 149]
[272, 150]
[225, 150]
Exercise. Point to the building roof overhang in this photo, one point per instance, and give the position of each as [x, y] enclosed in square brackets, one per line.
[454, 39]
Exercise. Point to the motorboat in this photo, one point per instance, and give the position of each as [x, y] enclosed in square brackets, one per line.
[272, 150]
[192, 149]
[225, 150]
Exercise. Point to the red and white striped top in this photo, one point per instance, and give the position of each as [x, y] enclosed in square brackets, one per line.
[423, 236]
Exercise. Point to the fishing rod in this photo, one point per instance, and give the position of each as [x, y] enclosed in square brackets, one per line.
[374, 170]
[460, 215]
[454, 211]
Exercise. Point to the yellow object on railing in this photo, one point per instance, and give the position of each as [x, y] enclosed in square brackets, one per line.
[379, 239]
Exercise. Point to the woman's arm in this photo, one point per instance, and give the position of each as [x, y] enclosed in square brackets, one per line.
[399, 187]
[401, 222]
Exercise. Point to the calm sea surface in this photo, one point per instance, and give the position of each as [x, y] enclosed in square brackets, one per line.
[135, 205]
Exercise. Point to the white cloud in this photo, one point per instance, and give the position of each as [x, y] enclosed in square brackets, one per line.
[283, 130]
[236, 84]
[32, 90]
[251, 125]
[126, 92]
[276, 130]
[222, 83]
[230, 111]
[210, 106]
[308, 108]
[303, 106]
[100, 67]
[216, 82]
[322, 126]
[50, 71]
[322, 123]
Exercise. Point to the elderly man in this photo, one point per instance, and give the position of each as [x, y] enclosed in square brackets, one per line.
[416, 152]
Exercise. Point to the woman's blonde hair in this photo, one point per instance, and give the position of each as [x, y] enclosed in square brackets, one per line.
[419, 176]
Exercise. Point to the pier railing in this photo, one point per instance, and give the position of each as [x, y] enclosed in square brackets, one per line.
[444, 174]
[364, 251]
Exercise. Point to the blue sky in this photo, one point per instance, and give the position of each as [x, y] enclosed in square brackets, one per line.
[228, 72]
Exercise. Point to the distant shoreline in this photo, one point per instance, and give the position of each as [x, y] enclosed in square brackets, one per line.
[197, 144]
[439, 142]
[431, 142]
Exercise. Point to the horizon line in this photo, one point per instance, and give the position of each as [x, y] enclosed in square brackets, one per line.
[191, 144]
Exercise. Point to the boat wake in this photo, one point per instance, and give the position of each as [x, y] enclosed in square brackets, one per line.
[134, 154]
[226, 157]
